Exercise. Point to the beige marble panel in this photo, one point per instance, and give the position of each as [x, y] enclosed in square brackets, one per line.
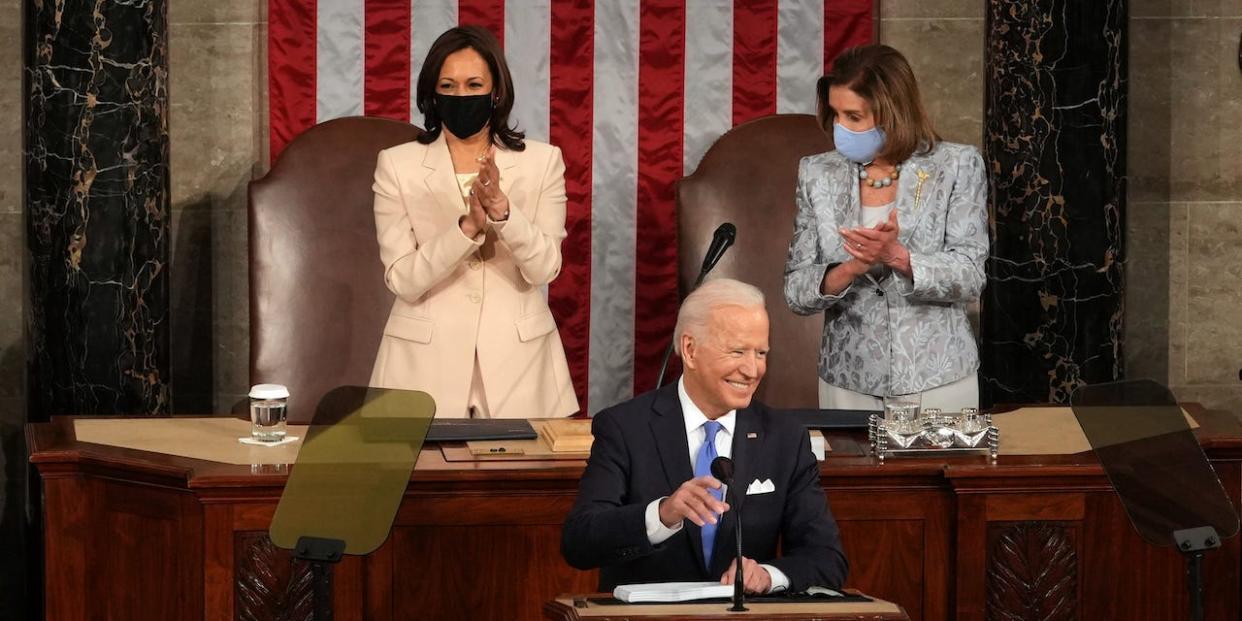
[1219, 397]
[217, 12]
[10, 100]
[1148, 163]
[12, 344]
[1179, 276]
[947, 57]
[218, 145]
[1206, 103]
[1147, 291]
[1214, 301]
[1187, 101]
[1149, 9]
[898, 9]
[216, 109]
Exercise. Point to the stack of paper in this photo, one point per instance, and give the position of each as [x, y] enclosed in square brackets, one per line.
[672, 592]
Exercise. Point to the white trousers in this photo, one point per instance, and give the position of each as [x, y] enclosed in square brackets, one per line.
[950, 398]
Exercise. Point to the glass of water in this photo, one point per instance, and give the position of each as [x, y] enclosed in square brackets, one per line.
[901, 413]
[269, 410]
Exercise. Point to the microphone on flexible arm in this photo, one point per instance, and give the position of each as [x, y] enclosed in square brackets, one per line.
[721, 240]
[722, 469]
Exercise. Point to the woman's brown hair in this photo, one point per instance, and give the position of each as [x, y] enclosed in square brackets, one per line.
[480, 40]
[880, 75]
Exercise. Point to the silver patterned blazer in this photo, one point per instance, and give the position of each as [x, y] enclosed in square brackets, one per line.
[887, 334]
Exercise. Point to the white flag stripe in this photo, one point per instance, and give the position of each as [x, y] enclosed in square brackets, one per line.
[799, 54]
[338, 59]
[614, 190]
[709, 78]
[428, 20]
[528, 38]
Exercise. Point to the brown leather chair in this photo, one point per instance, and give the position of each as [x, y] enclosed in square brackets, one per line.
[748, 177]
[317, 297]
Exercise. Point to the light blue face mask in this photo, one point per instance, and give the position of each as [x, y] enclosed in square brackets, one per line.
[859, 147]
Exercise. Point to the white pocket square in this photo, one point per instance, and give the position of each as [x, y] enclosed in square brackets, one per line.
[760, 487]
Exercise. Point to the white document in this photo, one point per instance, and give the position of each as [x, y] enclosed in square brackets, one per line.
[671, 592]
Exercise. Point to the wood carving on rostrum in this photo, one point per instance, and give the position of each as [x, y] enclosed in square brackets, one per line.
[271, 585]
[1032, 573]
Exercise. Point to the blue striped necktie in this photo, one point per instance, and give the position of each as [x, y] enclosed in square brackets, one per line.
[702, 468]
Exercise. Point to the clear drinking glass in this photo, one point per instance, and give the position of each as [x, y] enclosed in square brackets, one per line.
[269, 411]
[901, 413]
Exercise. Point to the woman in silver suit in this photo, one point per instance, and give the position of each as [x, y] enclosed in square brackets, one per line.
[889, 242]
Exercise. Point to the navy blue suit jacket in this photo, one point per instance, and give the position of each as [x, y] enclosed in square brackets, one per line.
[640, 453]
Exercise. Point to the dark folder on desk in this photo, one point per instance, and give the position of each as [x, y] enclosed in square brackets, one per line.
[471, 429]
[830, 419]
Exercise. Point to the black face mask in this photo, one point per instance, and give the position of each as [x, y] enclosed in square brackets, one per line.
[464, 115]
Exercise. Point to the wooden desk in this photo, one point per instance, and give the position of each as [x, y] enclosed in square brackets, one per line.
[131, 534]
[582, 608]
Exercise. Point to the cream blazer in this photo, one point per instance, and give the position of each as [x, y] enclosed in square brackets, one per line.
[451, 303]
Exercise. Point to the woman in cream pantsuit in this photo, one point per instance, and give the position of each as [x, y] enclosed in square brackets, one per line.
[469, 230]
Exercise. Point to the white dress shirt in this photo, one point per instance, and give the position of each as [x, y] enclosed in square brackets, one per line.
[657, 532]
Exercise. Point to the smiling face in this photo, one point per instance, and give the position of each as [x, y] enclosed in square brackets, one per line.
[850, 109]
[464, 72]
[723, 364]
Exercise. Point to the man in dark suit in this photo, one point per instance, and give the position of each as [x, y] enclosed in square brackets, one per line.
[648, 509]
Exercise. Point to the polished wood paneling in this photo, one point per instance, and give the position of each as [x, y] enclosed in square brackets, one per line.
[1032, 571]
[136, 535]
[510, 568]
[898, 546]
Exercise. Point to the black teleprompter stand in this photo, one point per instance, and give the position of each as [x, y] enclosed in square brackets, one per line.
[322, 554]
[1192, 543]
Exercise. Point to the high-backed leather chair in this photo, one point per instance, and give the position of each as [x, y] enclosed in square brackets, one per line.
[317, 297]
[749, 177]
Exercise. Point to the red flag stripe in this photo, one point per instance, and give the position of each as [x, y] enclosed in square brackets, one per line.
[661, 76]
[386, 62]
[291, 70]
[489, 14]
[754, 59]
[847, 23]
[571, 117]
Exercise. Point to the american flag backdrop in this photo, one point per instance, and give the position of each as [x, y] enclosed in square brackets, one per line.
[632, 91]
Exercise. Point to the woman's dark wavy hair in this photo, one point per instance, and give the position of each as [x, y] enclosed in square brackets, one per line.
[883, 77]
[482, 41]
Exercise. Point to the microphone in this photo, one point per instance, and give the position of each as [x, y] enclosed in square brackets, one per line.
[722, 469]
[721, 240]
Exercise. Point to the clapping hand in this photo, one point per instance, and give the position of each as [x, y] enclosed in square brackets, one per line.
[486, 188]
[874, 245]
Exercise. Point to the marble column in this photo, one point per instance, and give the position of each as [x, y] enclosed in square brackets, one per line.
[1054, 140]
[97, 207]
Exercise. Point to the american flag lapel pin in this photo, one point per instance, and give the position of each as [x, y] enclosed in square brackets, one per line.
[751, 435]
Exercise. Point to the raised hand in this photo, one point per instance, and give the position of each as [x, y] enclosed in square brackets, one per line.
[693, 501]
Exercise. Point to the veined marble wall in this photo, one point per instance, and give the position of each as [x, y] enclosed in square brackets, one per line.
[96, 206]
[1055, 147]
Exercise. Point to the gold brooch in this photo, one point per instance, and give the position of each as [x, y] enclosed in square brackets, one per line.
[918, 189]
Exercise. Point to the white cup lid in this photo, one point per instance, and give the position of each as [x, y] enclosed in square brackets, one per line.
[269, 391]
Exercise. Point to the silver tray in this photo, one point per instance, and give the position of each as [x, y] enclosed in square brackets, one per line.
[934, 435]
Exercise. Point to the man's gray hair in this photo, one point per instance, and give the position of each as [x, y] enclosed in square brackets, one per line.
[696, 311]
